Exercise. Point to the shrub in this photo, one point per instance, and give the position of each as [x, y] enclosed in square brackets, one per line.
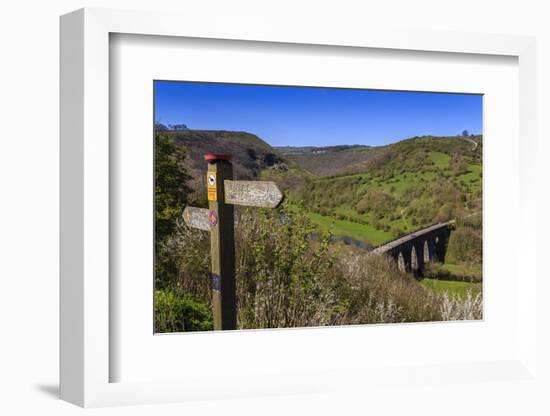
[284, 278]
[465, 245]
[184, 261]
[435, 270]
[380, 293]
[453, 308]
[362, 206]
[396, 231]
[180, 313]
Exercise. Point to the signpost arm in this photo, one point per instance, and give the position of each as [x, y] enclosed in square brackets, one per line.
[222, 244]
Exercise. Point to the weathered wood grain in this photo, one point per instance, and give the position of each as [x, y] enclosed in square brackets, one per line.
[222, 249]
[263, 194]
[197, 218]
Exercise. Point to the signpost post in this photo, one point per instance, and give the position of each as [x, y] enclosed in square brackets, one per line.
[222, 243]
[223, 192]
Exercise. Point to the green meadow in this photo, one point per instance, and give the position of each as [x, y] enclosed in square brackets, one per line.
[460, 289]
[360, 232]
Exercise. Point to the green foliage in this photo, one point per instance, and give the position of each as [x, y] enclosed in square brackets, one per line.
[456, 288]
[171, 194]
[179, 313]
[171, 189]
[465, 245]
[435, 271]
[184, 259]
[378, 292]
[459, 165]
[284, 278]
[342, 225]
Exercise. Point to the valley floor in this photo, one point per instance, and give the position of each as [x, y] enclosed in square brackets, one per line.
[345, 228]
[459, 289]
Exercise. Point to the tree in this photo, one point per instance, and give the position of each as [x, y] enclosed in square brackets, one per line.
[458, 164]
[160, 127]
[465, 133]
[178, 127]
[171, 189]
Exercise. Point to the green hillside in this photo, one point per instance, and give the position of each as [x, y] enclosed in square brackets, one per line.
[368, 194]
[406, 186]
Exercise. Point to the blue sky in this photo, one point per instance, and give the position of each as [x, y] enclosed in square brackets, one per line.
[300, 116]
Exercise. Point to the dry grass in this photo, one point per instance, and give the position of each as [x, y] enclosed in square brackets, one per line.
[454, 308]
[286, 279]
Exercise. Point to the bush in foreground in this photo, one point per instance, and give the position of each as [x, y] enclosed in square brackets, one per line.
[379, 292]
[177, 313]
[284, 277]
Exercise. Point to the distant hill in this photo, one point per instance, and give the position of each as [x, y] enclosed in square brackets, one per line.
[329, 160]
[414, 153]
[251, 156]
[294, 150]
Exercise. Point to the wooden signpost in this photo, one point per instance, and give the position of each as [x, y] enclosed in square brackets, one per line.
[223, 192]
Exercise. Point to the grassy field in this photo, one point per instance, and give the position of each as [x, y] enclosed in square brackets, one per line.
[453, 288]
[441, 160]
[463, 270]
[472, 179]
[361, 232]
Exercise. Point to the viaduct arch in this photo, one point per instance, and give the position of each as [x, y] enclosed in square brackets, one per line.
[414, 250]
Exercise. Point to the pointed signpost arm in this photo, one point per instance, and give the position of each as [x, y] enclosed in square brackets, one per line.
[197, 218]
[263, 194]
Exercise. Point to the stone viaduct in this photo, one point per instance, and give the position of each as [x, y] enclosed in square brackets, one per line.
[414, 250]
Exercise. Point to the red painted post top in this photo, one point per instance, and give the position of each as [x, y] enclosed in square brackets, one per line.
[209, 157]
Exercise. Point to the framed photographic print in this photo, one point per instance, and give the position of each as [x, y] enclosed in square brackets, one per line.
[372, 229]
[292, 213]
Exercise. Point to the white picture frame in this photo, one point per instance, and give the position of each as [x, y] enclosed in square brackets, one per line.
[85, 356]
